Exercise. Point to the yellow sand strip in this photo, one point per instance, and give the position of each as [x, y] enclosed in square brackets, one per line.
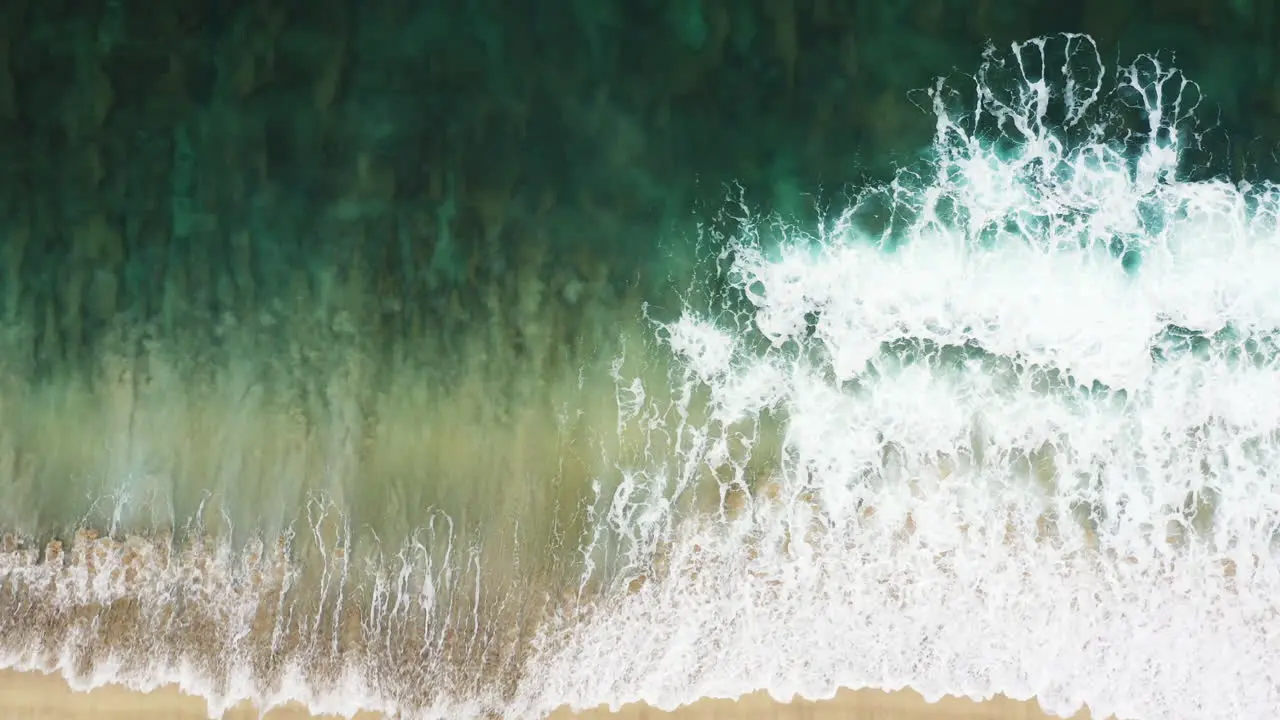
[36, 696]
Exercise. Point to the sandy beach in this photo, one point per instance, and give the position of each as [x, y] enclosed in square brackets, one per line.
[36, 696]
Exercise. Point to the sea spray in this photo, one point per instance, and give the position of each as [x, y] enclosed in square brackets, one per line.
[1028, 431]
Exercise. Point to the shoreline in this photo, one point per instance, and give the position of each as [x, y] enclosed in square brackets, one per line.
[35, 695]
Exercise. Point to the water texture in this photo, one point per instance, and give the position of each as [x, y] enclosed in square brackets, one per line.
[1006, 424]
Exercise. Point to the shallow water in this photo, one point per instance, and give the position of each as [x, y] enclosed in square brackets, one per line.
[982, 449]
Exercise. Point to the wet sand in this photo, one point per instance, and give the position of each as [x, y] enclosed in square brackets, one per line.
[36, 696]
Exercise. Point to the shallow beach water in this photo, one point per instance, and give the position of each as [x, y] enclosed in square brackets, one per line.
[1015, 434]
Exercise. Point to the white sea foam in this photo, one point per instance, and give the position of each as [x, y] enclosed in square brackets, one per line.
[1084, 511]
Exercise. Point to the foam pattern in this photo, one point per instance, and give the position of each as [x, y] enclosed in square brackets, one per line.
[1030, 433]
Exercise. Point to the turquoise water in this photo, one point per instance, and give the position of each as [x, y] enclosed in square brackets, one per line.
[968, 446]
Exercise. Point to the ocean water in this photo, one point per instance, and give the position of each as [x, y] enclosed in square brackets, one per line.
[1008, 424]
